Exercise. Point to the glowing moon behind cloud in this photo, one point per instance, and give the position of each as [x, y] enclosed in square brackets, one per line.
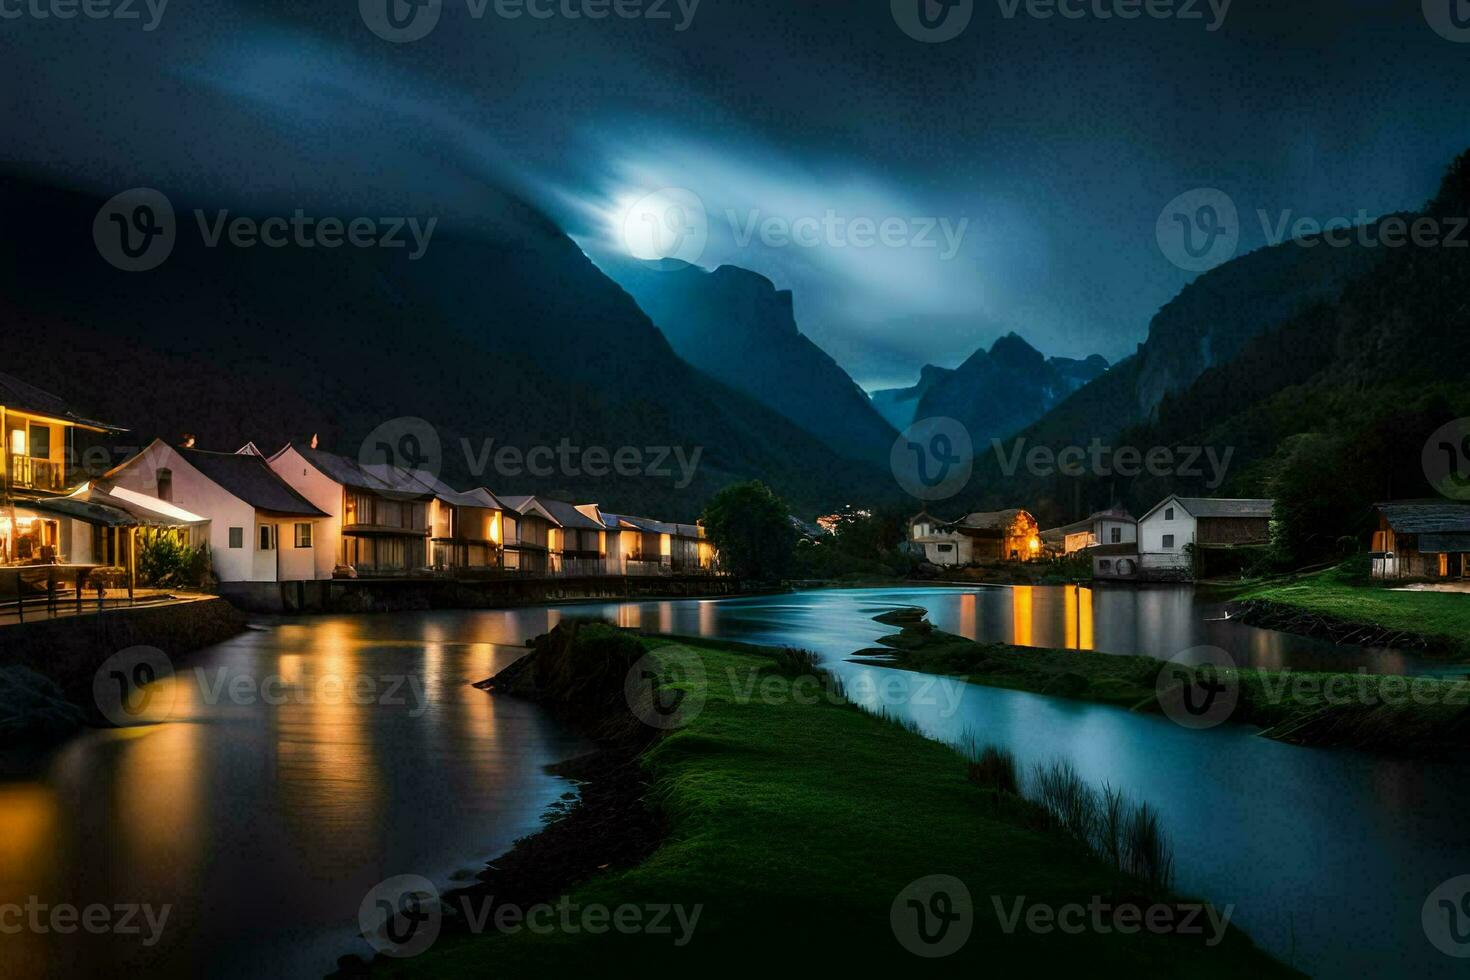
[669, 223]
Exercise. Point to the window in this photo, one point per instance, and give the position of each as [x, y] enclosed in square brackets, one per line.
[1168, 541]
[946, 547]
[303, 535]
[1444, 565]
[165, 484]
[40, 441]
[1117, 535]
[1168, 513]
[267, 537]
[237, 537]
[1105, 565]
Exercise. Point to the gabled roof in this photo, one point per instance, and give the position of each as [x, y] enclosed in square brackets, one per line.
[992, 520]
[1245, 507]
[650, 525]
[567, 515]
[525, 504]
[1426, 516]
[250, 478]
[380, 478]
[1077, 527]
[26, 397]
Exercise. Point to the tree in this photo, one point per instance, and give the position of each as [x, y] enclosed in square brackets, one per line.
[751, 528]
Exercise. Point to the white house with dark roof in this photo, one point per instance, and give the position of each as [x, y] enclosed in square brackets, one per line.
[1174, 523]
[377, 517]
[260, 529]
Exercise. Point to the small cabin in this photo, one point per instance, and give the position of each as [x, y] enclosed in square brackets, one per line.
[1422, 539]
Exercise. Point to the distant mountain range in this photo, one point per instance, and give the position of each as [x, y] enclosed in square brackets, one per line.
[736, 326]
[1306, 361]
[503, 331]
[993, 393]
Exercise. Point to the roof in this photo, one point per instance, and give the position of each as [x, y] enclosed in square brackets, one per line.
[380, 478]
[150, 510]
[523, 503]
[567, 515]
[82, 510]
[1077, 527]
[25, 397]
[478, 497]
[992, 520]
[250, 478]
[649, 524]
[1426, 516]
[1242, 507]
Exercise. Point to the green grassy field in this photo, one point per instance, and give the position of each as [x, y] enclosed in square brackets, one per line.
[796, 825]
[1441, 616]
[1384, 712]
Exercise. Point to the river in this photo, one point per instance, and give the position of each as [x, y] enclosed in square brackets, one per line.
[293, 767]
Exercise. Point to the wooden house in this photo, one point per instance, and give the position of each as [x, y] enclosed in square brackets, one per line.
[44, 440]
[527, 529]
[1422, 539]
[982, 536]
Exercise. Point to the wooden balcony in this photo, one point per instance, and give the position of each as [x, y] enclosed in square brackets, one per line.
[26, 473]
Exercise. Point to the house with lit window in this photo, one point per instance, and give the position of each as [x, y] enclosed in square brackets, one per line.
[377, 520]
[979, 537]
[526, 531]
[46, 441]
[1114, 526]
[466, 526]
[261, 530]
[576, 543]
[1422, 539]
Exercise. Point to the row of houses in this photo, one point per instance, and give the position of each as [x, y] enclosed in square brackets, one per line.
[300, 513]
[1414, 539]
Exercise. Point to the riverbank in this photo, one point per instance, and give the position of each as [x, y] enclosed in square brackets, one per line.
[792, 825]
[1332, 604]
[1418, 716]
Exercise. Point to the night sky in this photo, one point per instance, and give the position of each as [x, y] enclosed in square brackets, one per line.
[1054, 143]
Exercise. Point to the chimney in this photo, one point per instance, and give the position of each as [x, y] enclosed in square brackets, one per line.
[313, 440]
[188, 440]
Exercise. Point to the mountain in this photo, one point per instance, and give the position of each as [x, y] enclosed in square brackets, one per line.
[994, 393]
[735, 325]
[502, 331]
[899, 406]
[1321, 370]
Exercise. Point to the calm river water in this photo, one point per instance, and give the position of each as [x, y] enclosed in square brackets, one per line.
[295, 767]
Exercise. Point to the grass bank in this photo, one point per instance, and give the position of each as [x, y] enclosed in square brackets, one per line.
[1418, 716]
[793, 824]
[1336, 604]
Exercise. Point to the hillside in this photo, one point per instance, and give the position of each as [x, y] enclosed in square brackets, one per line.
[502, 331]
[736, 326]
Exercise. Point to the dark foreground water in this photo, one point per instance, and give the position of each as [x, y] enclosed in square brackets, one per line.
[309, 762]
